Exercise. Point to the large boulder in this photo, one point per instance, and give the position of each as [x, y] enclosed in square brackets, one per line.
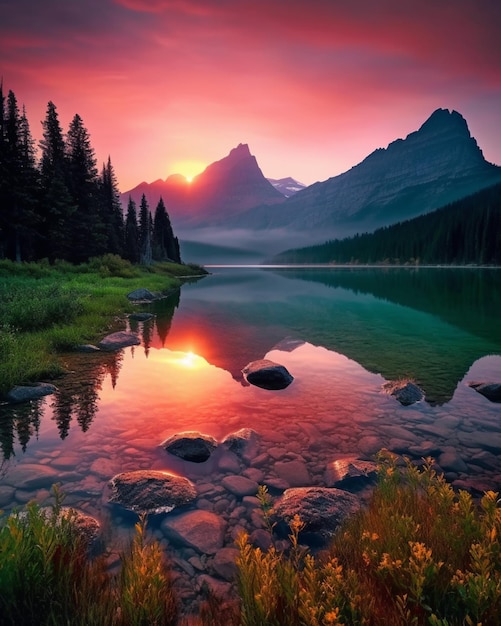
[406, 392]
[201, 530]
[321, 509]
[267, 375]
[24, 393]
[119, 340]
[492, 391]
[149, 491]
[139, 295]
[191, 446]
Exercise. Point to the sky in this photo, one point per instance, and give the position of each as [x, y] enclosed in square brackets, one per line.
[312, 86]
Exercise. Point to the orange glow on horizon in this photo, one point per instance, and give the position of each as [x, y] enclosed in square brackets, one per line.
[189, 169]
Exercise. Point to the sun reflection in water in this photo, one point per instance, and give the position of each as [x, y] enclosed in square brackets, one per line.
[188, 360]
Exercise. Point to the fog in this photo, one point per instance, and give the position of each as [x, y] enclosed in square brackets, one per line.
[208, 246]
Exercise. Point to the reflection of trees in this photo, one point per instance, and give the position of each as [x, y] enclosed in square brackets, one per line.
[23, 419]
[164, 310]
[78, 393]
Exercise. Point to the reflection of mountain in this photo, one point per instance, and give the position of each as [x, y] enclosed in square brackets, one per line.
[467, 298]
[408, 327]
[228, 342]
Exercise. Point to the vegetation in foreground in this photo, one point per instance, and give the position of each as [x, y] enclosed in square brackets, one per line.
[419, 554]
[47, 308]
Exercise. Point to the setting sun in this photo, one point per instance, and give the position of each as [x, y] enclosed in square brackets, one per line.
[188, 169]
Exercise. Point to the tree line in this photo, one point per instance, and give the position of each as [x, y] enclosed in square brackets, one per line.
[464, 232]
[59, 206]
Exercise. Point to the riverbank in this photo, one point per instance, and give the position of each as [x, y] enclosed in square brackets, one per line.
[47, 309]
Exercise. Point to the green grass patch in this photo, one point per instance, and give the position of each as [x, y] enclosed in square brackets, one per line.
[47, 309]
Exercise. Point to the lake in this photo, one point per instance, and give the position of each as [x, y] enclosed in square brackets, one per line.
[342, 333]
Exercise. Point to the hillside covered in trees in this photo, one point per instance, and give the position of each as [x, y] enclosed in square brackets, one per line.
[59, 206]
[465, 232]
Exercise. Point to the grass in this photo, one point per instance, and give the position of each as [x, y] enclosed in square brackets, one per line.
[48, 578]
[47, 309]
[418, 554]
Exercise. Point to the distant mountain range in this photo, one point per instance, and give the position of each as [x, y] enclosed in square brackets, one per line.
[432, 167]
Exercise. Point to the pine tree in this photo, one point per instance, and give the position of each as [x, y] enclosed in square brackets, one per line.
[165, 244]
[145, 252]
[18, 183]
[112, 210]
[87, 229]
[57, 205]
[131, 244]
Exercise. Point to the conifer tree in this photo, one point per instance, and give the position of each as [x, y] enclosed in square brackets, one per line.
[57, 205]
[87, 229]
[165, 244]
[131, 244]
[18, 183]
[112, 210]
[145, 252]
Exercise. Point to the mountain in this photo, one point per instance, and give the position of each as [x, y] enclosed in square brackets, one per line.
[431, 167]
[222, 190]
[465, 232]
[287, 186]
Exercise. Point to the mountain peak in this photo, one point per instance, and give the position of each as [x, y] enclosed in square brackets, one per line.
[443, 118]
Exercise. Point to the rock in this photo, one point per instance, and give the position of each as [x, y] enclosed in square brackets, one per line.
[240, 486]
[86, 526]
[492, 391]
[451, 461]
[190, 446]
[406, 392]
[224, 563]
[141, 294]
[322, 509]
[141, 317]
[202, 530]
[87, 347]
[350, 472]
[24, 393]
[267, 375]
[32, 476]
[243, 442]
[295, 473]
[119, 340]
[151, 491]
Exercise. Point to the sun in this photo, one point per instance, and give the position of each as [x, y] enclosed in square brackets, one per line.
[189, 169]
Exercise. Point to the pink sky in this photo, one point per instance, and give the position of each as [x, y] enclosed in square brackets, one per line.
[313, 86]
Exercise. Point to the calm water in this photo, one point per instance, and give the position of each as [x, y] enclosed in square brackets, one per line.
[341, 333]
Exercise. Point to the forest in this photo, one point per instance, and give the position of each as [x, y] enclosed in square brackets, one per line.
[55, 204]
[462, 233]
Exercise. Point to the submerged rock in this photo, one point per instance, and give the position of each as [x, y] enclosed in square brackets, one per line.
[24, 393]
[267, 375]
[321, 509]
[350, 472]
[406, 392]
[492, 391]
[151, 491]
[191, 446]
[201, 530]
[119, 340]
